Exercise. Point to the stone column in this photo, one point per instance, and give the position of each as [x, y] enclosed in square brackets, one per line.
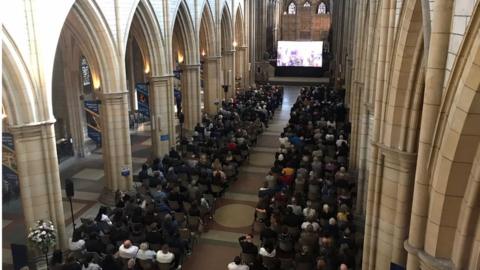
[397, 176]
[242, 63]
[213, 89]
[434, 83]
[39, 177]
[162, 114]
[116, 147]
[229, 65]
[76, 114]
[191, 95]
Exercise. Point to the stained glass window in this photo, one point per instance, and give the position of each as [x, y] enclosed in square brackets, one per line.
[86, 80]
[322, 8]
[292, 9]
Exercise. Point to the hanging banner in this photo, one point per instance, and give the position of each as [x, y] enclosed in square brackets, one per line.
[142, 99]
[92, 110]
[9, 167]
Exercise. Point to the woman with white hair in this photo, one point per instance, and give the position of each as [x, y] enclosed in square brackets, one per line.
[144, 253]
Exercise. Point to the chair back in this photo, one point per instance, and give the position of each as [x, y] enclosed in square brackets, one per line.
[304, 266]
[146, 264]
[269, 262]
[164, 266]
[286, 263]
[248, 258]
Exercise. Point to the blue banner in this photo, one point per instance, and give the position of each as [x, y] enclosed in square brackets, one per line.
[94, 130]
[7, 141]
[9, 166]
[142, 99]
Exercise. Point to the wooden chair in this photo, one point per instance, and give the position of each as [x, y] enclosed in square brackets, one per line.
[164, 266]
[146, 264]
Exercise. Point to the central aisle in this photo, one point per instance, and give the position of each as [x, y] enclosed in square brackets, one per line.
[235, 210]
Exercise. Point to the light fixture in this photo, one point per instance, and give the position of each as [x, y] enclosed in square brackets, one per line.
[234, 44]
[96, 82]
[203, 52]
[179, 57]
[147, 68]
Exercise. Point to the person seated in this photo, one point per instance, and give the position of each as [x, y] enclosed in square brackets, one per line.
[57, 260]
[296, 209]
[247, 245]
[88, 263]
[164, 256]
[137, 233]
[305, 257]
[144, 173]
[268, 250]
[310, 222]
[76, 243]
[127, 250]
[71, 263]
[291, 220]
[144, 253]
[309, 210]
[109, 263]
[267, 235]
[93, 244]
[265, 191]
[237, 264]
[173, 154]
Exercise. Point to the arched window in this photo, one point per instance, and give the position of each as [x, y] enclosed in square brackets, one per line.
[292, 9]
[86, 76]
[85, 71]
[307, 4]
[322, 8]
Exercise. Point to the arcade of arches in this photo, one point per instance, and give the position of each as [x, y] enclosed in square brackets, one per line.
[91, 90]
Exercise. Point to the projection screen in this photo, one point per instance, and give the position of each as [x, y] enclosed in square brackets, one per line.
[299, 53]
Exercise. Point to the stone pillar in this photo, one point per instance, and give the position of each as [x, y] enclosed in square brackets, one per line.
[397, 176]
[116, 148]
[162, 114]
[434, 83]
[229, 68]
[191, 103]
[242, 63]
[76, 114]
[213, 89]
[39, 177]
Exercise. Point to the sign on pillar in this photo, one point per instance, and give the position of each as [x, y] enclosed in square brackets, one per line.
[94, 130]
[143, 100]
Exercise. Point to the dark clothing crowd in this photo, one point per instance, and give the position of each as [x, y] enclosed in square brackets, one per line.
[155, 226]
[303, 215]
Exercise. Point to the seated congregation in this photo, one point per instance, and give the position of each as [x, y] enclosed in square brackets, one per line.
[303, 215]
[156, 226]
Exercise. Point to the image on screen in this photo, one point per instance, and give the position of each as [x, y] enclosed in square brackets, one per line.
[299, 53]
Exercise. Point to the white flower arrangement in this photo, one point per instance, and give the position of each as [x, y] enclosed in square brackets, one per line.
[43, 235]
